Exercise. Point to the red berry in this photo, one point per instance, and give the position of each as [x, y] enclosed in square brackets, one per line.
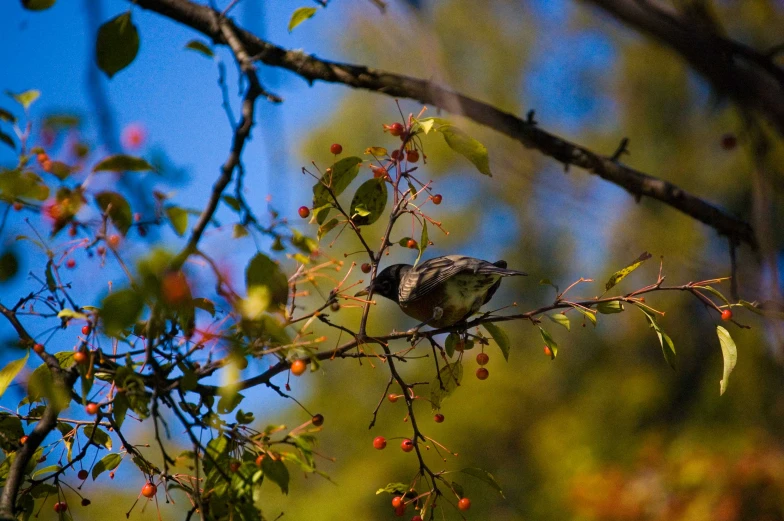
[111, 475]
[365, 268]
[411, 244]
[70, 264]
[397, 501]
[60, 507]
[133, 136]
[100, 250]
[86, 330]
[482, 373]
[42, 157]
[259, 460]
[47, 166]
[407, 445]
[83, 474]
[482, 359]
[137, 217]
[729, 141]
[175, 290]
[72, 231]
[726, 315]
[412, 156]
[17, 206]
[416, 518]
[318, 420]
[149, 490]
[395, 129]
[400, 511]
[23, 440]
[548, 351]
[80, 357]
[91, 409]
[234, 466]
[379, 442]
[395, 155]
[439, 418]
[113, 241]
[464, 504]
[437, 199]
[393, 398]
[85, 502]
[379, 171]
[304, 212]
[336, 149]
[298, 367]
[38, 348]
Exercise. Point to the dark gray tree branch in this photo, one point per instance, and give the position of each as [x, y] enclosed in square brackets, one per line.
[204, 19]
[749, 77]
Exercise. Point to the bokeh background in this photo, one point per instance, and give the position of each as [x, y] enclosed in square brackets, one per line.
[606, 431]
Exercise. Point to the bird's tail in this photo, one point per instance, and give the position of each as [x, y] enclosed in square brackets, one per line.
[501, 270]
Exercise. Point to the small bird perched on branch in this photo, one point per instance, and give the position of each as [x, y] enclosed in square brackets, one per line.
[441, 291]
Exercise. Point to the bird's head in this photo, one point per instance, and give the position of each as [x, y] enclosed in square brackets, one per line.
[387, 282]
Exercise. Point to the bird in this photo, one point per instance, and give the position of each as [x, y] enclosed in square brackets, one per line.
[442, 291]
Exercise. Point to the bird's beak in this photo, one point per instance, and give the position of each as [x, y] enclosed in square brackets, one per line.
[363, 293]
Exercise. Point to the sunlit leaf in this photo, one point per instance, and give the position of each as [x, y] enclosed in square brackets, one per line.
[178, 217]
[98, 435]
[327, 227]
[120, 310]
[26, 98]
[337, 179]
[300, 15]
[560, 319]
[394, 488]
[423, 242]
[108, 462]
[608, 308]
[729, 353]
[9, 372]
[376, 151]
[619, 275]
[275, 470]
[468, 147]
[263, 272]
[668, 348]
[117, 44]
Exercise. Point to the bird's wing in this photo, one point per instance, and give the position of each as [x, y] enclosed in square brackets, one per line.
[430, 274]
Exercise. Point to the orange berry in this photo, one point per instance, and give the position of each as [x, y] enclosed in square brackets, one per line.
[91, 409]
[304, 212]
[259, 460]
[407, 445]
[726, 315]
[393, 398]
[437, 199]
[397, 501]
[298, 367]
[17, 206]
[149, 490]
[379, 171]
[113, 241]
[411, 244]
[60, 507]
[379, 442]
[43, 156]
[86, 329]
[80, 357]
[548, 351]
[464, 504]
[38, 348]
[175, 289]
[396, 129]
[23, 440]
[47, 166]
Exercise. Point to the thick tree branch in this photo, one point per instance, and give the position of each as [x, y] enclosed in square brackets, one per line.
[749, 77]
[205, 20]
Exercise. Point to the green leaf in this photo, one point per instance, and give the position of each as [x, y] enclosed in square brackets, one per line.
[51, 284]
[450, 375]
[108, 462]
[485, 476]
[587, 314]
[9, 372]
[263, 272]
[117, 208]
[120, 408]
[500, 337]
[37, 5]
[70, 313]
[608, 308]
[300, 15]
[394, 488]
[200, 47]
[15, 184]
[427, 124]
[275, 470]
[668, 348]
[549, 342]
[233, 202]
[7, 116]
[369, 202]
[303, 243]
[122, 163]
[730, 354]
[619, 275]
[98, 436]
[561, 320]
[451, 341]
[117, 44]
[8, 140]
[178, 218]
[468, 147]
[376, 151]
[758, 309]
[205, 304]
[120, 310]
[9, 266]
[26, 98]
[715, 292]
[340, 176]
[423, 242]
